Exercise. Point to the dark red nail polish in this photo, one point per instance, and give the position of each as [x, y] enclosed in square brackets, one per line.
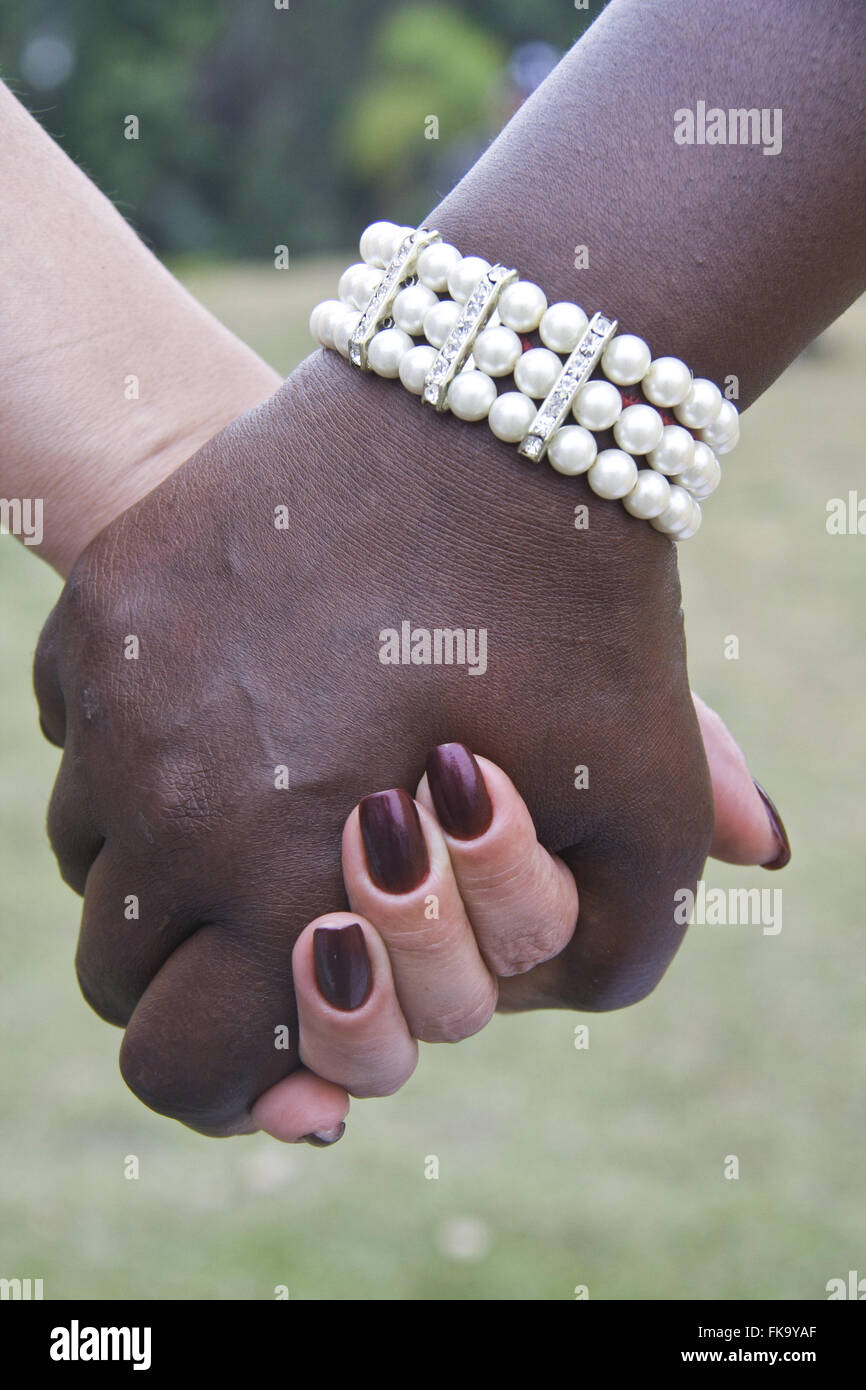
[324, 1141]
[393, 841]
[343, 971]
[784, 855]
[458, 791]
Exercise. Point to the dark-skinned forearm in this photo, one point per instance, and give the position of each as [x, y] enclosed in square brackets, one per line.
[728, 258]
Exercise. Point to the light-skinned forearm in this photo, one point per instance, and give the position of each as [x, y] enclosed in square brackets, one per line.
[111, 375]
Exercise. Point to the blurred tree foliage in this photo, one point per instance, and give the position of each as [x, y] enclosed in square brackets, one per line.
[430, 77]
[260, 125]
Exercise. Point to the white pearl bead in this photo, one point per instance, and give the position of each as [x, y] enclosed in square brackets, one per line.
[650, 495]
[496, 350]
[724, 433]
[703, 491]
[510, 416]
[323, 320]
[675, 452]
[667, 381]
[435, 263]
[471, 394]
[439, 321]
[686, 532]
[345, 283]
[572, 450]
[344, 327]
[410, 306]
[364, 282]
[625, 359]
[702, 494]
[700, 470]
[358, 283]
[701, 406]
[613, 474]
[536, 371]
[597, 405]
[638, 429]
[415, 366]
[386, 350]
[464, 276]
[375, 241]
[522, 305]
[677, 513]
[562, 326]
[390, 242]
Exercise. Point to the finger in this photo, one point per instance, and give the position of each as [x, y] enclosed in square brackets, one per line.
[131, 923]
[748, 828]
[214, 1030]
[626, 935]
[398, 875]
[302, 1107]
[353, 1032]
[217, 1025]
[135, 914]
[521, 901]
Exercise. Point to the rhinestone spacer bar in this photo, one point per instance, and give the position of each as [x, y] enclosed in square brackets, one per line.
[576, 372]
[458, 345]
[400, 268]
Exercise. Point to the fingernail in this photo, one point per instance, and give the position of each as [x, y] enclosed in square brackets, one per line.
[325, 1138]
[393, 841]
[458, 791]
[779, 831]
[343, 971]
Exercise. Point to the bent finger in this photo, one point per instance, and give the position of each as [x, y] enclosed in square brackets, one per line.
[398, 873]
[748, 828]
[302, 1106]
[352, 1030]
[521, 900]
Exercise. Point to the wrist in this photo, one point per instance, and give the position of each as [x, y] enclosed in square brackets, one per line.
[138, 443]
[416, 308]
[530, 518]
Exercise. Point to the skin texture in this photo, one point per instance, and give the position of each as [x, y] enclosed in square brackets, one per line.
[259, 646]
[728, 258]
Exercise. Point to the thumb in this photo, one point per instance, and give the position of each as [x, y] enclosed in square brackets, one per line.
[748, 828]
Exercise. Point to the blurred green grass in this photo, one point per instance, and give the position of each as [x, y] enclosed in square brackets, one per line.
[601, 1167]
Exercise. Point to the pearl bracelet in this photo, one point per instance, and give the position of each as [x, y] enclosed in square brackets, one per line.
[657, 412]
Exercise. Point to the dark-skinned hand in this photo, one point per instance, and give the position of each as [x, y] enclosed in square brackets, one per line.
[259, 648]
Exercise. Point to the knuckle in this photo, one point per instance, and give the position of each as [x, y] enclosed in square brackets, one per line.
[99, 998]
[153, 1074]
[56, 824]
[74, 835]
[615, 976]
[619, 993]
[528, 946]
[64, 845]
[45, 656]
[385, 1082]
[146, 1073]
[463, 1022]
[46, 685]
